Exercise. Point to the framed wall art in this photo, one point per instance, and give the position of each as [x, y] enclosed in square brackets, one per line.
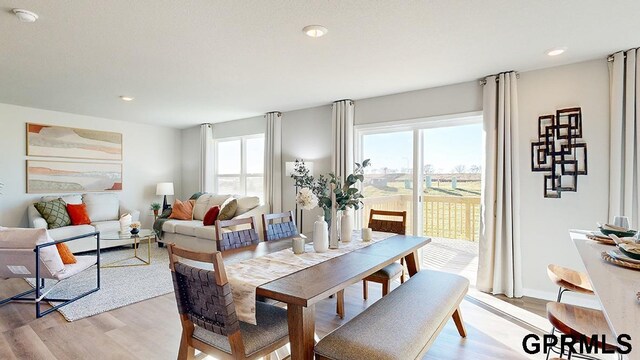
[62, 176]
[67, 142]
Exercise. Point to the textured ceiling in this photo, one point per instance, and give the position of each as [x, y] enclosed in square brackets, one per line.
[188, 62]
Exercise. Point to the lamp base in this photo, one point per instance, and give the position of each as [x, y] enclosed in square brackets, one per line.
[165, 206]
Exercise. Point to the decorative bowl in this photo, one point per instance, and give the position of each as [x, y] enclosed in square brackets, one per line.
[134, 231]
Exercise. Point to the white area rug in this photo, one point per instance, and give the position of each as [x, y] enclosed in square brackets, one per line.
[118, 286]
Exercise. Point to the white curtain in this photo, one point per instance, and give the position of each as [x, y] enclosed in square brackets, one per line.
[342, 135]
[206, 158]
[499, 268]
[273, 162]
[624, 180]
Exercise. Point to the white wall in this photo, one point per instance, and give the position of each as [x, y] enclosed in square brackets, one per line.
[151, 155]
[190, 164]
[545, 222]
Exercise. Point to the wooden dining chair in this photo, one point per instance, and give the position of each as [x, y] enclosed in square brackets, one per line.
[284, 228]
[385, 275]
[208, 315]
[236, 238]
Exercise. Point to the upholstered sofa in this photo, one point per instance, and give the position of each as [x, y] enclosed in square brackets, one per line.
[192, 234]
[104, 210]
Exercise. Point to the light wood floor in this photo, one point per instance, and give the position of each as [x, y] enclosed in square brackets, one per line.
[150, 329]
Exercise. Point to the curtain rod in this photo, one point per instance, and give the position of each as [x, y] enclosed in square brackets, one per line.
[278, 113]
[624, 54]
[483, 82]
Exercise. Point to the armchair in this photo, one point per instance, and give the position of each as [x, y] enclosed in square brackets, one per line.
[18, 250]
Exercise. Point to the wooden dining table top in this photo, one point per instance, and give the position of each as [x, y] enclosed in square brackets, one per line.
[615, 287]
[315, 283]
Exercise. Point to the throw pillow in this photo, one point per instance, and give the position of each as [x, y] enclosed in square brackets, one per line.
[78, 214]
[54, 213]
[228, 210]
[65, 254]
[211, 216]
[182, 210]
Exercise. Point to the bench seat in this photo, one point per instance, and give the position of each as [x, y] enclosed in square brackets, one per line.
[401, 325]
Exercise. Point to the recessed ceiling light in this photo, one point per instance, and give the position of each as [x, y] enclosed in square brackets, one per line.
[315, 31]
[556, 51]
[126, 98]
[25, 15]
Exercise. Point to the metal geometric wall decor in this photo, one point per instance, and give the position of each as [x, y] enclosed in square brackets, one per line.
[560, 151]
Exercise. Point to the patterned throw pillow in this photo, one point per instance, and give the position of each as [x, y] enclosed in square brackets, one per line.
[54, 213]
[228, 209]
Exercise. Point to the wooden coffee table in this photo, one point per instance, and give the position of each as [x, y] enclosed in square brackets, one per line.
[144, 234]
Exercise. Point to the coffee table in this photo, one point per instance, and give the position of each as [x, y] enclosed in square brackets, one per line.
[144, 234]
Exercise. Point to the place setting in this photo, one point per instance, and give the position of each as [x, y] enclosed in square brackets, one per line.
[627, 246]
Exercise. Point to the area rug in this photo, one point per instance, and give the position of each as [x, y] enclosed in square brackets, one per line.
[118, 286]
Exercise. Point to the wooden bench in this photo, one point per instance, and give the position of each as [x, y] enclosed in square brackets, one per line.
[401, 325]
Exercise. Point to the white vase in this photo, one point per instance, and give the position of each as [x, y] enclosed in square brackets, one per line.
[320, 235]
[346, 226]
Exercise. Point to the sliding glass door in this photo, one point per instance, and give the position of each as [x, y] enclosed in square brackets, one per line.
[429, 168]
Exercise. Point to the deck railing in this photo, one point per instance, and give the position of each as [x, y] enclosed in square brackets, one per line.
[442, 216]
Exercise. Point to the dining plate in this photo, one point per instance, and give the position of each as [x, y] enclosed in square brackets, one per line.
[616, 254]
[618, 233]
[631, 254]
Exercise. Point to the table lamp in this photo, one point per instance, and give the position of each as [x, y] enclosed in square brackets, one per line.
[165, 188]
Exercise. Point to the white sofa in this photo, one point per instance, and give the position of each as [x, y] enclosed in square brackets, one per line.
[104, 210]
[192, 234]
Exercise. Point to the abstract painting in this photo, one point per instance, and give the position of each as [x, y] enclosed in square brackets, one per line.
[60, 176]
[560, 151]
[60, 141]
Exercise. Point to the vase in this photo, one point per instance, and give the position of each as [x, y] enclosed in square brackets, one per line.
[134, 231]
[346, 226]
[320, 235]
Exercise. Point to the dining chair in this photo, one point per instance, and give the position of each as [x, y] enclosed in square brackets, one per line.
[208, 316]
[398, 225]
[229, 236]
[284, 228]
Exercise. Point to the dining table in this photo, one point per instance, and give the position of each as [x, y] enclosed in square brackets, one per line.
[301, 290]
[615, 287]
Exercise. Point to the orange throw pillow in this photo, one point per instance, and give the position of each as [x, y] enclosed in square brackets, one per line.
[182, 210]
[78, 214]
[65, 254]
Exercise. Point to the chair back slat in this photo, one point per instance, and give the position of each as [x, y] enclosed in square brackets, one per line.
[386, 225]
[203, 296]
[279, 230]
[238, 238]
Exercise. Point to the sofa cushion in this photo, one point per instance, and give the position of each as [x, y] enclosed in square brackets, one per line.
[228, 209]
[182, 210]
[170, 225]
[188, 227]
[54, 212]
[206, 232]
[211, 216]
[201, 206]
[69, 231]
[78, 214]
[246, 203]
[68, 199]
[107, 226]
[102, 207]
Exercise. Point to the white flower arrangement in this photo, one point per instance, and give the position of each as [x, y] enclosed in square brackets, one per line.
[307, 199]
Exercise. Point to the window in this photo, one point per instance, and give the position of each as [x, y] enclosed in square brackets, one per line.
[239, 165]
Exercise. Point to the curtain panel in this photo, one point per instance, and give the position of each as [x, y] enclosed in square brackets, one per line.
[499, 262]
[342, 136]
[206, 158]
[624, 181]
[273, 162]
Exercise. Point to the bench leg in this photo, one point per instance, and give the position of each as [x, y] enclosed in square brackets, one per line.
[365, 289]
[340, 303]
[385, 287]
[457, 319]
[402, 274]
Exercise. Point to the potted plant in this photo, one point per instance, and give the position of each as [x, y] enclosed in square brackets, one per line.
[155, 206]
[135, 227]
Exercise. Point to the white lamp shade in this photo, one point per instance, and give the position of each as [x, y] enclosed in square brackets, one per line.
[290, 166]
[165, 188]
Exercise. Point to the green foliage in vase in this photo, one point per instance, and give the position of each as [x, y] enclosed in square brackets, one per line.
[155, 206]
[347, 194]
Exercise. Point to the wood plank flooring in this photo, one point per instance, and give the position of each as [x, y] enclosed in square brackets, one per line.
[150, 329]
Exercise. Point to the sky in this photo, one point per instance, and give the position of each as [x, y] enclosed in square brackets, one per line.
[444, 148]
